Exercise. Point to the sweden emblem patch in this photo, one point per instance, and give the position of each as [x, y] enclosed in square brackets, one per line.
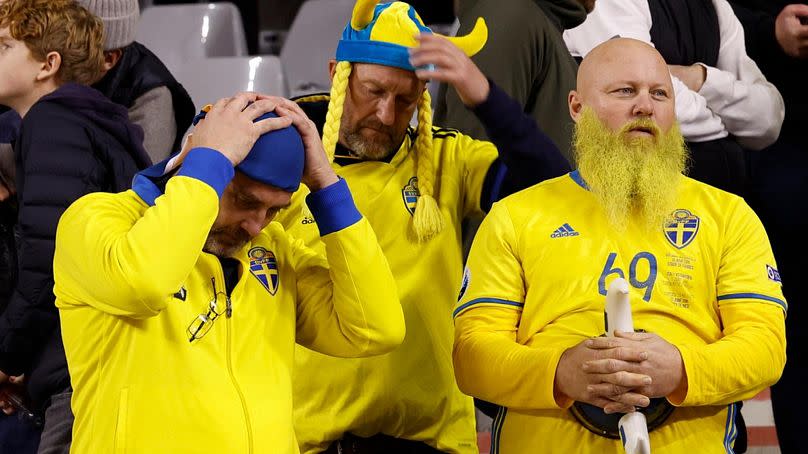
[264, 266]
[410, 194]
[681, 228]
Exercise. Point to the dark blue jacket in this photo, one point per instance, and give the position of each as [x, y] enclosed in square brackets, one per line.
[9, 125]
[72, 142]
[139, 71]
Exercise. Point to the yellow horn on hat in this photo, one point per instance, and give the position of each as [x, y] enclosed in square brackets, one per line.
[474, 41]
[362, 13]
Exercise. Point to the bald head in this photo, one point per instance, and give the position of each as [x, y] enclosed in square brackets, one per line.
[622, 80]
[619, 53]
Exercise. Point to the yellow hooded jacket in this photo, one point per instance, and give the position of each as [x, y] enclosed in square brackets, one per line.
[130, 276]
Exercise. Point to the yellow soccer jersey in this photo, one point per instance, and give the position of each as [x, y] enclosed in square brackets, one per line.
[410, 393]
[535, 285]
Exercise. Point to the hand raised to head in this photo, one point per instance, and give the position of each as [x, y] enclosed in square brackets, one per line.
[447, 63]
[229, 126]
[317, 172]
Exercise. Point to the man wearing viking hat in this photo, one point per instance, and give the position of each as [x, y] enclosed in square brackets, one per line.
[415, 185]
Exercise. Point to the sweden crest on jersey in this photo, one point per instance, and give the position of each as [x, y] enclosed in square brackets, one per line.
[264, 266]
[410, 194]
[681, 228]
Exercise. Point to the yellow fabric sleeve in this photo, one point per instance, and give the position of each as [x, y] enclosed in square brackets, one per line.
[491, 365]
[348, 303]
[489, 361]
[720, 373]
[493, 275]
[752, 311]
[111, 249]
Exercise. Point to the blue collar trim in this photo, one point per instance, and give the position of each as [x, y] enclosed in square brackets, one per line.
[576, 176]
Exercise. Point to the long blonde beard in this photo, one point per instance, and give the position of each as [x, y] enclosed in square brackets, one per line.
[631, 177]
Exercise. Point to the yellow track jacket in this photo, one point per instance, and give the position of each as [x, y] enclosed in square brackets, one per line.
[130, 276]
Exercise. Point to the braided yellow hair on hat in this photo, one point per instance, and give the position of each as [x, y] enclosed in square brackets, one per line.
[339, 87]
[382, 34]
[427, 220]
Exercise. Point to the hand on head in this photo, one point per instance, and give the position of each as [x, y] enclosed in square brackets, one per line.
[317, 172]
[229, 126]
[448, 63]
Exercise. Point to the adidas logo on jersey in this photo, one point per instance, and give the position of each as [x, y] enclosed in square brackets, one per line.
[564, 231]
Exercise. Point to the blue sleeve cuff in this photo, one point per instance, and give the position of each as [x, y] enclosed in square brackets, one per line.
[209, 166]
[333, 208]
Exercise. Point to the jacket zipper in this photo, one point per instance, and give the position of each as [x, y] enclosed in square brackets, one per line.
[229, 356]
[238, 389]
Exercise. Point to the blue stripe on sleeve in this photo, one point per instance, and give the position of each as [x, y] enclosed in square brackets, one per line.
[756, 296]
[209, 166]
[730, 429]
[496, 429]
[486, 300]
[333, 208]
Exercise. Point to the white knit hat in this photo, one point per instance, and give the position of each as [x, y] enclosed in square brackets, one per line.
[120, 19]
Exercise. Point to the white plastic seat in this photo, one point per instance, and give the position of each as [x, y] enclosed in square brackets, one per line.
[179, 33]
[312, 42]
[210, 79]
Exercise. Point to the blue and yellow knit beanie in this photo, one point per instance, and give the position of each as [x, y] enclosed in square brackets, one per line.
[382, 34]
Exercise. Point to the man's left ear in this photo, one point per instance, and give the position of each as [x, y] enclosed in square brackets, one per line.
[50, 67]
[332, 68]
[575, 105]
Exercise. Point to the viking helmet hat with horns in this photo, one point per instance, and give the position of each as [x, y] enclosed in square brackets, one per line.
[382, 34]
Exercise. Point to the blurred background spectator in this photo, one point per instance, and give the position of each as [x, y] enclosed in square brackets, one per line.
[526, 57]
[138, 80]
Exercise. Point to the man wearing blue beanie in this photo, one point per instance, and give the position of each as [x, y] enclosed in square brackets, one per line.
[181, 304]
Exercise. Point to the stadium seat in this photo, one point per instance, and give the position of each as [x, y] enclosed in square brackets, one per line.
[179, 33]
[209, 79]
[311, 42]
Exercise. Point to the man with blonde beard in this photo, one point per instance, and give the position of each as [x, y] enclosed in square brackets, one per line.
[704, 288]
